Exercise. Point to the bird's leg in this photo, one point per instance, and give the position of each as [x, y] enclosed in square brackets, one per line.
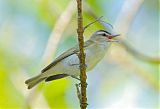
[78, 57]
[78, 64]
[80, 84]
[83, 66]
[85, 63]
[73, 64]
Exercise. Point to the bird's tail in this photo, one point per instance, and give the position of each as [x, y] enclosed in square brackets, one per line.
[34, 81]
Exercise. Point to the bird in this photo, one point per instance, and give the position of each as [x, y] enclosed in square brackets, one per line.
[67, 64]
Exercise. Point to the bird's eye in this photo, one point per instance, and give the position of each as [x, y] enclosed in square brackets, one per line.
[103, 34]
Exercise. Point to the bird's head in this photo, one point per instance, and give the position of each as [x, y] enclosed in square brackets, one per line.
[103, 35]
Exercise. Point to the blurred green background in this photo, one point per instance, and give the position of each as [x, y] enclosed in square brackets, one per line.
[34, 32]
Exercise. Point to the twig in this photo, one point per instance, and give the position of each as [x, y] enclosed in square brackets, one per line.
[92, 23]
[83, 75]
[130, 49]
[78, 93]
[137, 54]
[104, 23]
[121, 22]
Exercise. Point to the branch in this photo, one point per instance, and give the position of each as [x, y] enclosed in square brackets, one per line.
[83, 75]
[98, 19]
[78, 93]
[129, 48]
[137, 54]
[121, 22]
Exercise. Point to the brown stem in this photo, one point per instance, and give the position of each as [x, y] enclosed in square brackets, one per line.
[83, 75]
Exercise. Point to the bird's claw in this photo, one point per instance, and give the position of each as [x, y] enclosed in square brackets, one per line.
[79, 84]
[83, 65]
[85, 103]
[79, 65]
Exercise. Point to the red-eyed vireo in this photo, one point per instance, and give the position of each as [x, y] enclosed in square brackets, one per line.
[67, 64]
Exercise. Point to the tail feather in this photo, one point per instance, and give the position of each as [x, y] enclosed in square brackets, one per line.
[33, 81]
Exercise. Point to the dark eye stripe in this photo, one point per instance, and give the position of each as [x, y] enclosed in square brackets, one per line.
[105, 31]
[108, 32]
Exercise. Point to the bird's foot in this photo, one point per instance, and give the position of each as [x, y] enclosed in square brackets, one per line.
[83, 66]
[78, 65]
[73, 64]
[85, 103]
[79, 84]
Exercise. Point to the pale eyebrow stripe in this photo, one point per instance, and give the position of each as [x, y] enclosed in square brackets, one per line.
[100, 32]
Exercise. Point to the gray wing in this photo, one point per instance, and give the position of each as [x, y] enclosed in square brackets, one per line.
[69, 52]
[54, 77]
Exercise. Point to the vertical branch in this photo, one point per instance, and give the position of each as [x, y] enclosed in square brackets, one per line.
[83, 76]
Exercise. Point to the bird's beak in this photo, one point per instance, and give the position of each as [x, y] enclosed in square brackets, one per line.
[115, 35]
[112, 36]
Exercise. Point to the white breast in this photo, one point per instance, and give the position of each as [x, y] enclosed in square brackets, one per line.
[70, 65]
[94, 55]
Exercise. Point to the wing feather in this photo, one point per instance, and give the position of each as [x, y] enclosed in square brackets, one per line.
[69, 52]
